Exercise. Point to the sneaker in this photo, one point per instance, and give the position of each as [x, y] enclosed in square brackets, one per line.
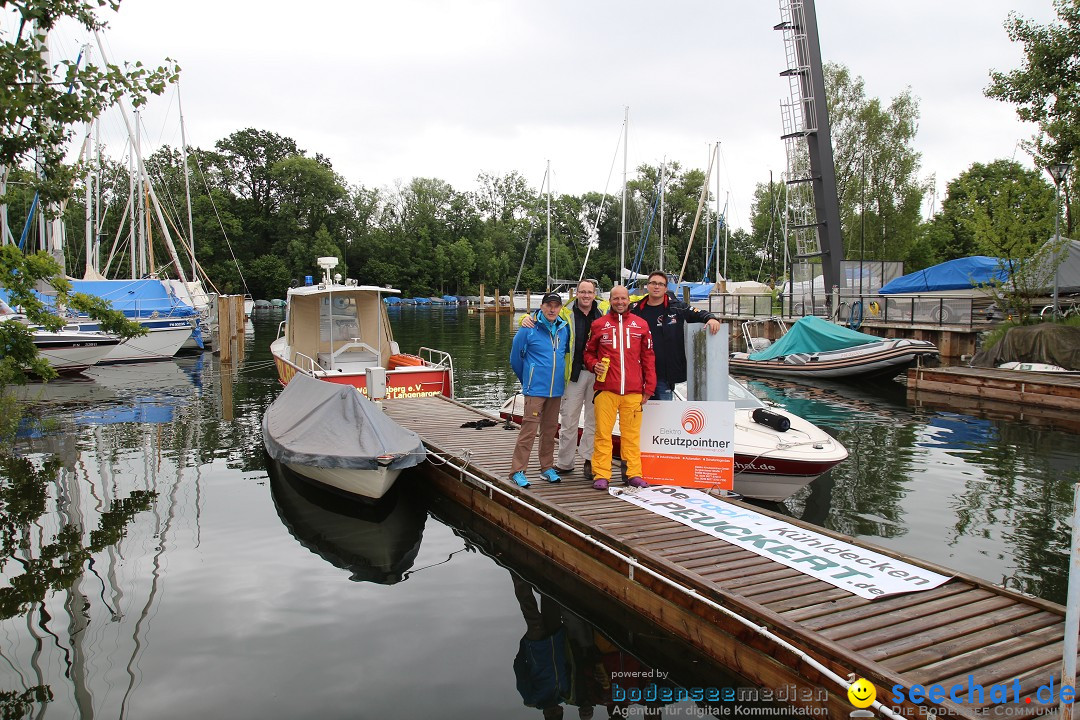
[520, 479]
[586, 470]
[563, 471]
[600, 484]
[637, 482]
[551, 475]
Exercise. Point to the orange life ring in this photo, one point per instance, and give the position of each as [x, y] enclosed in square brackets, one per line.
[404, 359]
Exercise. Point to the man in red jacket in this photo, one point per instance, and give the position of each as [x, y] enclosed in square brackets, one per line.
[620, 353]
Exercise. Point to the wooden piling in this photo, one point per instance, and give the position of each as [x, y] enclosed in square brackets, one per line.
[225, 328]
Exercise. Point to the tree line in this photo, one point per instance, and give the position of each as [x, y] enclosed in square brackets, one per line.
[263, 208]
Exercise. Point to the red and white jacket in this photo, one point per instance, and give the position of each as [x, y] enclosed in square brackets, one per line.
[626, 340]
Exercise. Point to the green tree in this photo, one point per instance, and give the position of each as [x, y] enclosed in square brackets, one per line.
[1000, 209]
[41, 104]
[1045, 88]
[876, 167]
[269, 277]
[1006, 211]
[19, 273]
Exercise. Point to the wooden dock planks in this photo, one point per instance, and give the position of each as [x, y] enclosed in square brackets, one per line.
[966, 627]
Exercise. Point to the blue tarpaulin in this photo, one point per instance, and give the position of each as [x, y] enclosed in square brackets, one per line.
[698, 291]
[960, 274]
[812, 334]
[135, 298]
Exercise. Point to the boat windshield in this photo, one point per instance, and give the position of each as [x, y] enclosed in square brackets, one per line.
[737, 393]
[339, 320]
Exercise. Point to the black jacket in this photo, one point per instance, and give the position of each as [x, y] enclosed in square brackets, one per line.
[667, 333]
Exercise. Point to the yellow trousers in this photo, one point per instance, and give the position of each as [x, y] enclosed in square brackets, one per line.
[628, 408]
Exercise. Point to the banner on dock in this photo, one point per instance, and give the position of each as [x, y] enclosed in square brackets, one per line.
[689, 444]
[847, 566]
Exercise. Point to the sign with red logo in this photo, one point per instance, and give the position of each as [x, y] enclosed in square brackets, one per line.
[689, 444]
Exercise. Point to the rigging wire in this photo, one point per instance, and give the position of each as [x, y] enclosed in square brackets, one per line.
[528, 238]
[595, 234]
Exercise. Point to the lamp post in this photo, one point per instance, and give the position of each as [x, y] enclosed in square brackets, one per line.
[1057, 171]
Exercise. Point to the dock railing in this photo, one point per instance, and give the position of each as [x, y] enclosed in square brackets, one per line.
[854, 310]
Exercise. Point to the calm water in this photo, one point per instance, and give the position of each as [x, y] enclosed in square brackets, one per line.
[193, 581]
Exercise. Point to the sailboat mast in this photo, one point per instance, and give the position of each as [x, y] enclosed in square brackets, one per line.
[547, 181]
[132, 221]
[622, 245]
[187, 182]
[89, 215]
[709, 252]
[141, 206]
[663, 187]
[720, 218]
[145, 177]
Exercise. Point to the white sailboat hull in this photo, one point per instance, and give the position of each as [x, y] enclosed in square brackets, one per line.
[162, 341]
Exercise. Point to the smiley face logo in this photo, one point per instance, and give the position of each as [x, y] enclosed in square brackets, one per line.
[861, 693]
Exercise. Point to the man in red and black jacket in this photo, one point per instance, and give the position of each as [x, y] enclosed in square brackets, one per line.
[619, 352]
[666, 318]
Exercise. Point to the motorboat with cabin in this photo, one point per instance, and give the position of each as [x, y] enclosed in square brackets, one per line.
[776, 452]
[817, 348]
[338, 331]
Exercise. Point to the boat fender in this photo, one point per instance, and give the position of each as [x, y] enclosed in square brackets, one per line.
[776, 421]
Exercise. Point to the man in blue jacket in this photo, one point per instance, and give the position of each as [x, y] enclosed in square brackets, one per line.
[538, 357]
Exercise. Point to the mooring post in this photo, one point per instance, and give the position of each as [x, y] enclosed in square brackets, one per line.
[1072, 613]
[225, 332]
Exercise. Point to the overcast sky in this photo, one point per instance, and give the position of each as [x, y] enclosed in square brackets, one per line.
[397, 89]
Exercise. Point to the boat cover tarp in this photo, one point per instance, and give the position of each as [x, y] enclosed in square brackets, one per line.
[1043, 343]
[136, 298]
[328, 425]
[811, 334]
[698, 291]
[960, 274]
[1068, 268]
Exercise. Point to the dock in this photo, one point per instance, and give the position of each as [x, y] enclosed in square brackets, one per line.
[765, 621]
[1054, 398]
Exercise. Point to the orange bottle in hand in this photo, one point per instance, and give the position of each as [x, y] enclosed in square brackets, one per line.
[602, 368]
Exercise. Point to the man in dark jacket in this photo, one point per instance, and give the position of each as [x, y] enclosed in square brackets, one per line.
[666, 318]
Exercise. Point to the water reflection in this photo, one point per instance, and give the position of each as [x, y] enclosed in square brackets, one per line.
[583, 654]
[190, 562]
[375, 543]
[988, 497]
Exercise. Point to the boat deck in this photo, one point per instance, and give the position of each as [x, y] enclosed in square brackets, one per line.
[684, 579]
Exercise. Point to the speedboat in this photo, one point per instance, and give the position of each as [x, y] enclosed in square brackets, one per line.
[68, 350]
[816, 348]
[1037, 367]
[71, 351]
[331, 434]
[336, 332]
[776, 452]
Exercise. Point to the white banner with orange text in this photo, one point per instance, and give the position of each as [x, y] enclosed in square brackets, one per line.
[689, 444]
[847, 566]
